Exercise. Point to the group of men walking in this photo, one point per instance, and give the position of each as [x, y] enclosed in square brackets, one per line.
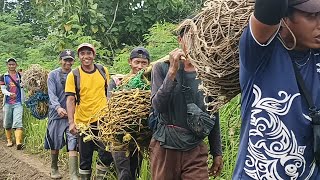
[76, 95]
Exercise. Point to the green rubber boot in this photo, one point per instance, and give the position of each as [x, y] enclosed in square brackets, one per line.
[73, 167]
[55, 174]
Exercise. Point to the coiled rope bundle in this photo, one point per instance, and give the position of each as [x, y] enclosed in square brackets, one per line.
[34, 80]
[212, 38]
[123, 123]
[38, 105]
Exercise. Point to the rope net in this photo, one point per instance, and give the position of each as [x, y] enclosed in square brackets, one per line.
[212, 38]
[34, 80]
[123, 123]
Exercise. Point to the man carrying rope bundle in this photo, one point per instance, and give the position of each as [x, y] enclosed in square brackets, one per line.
[177, 150]
[280, 83]
[128, 167]
[14, 97]
[86, 89]
[58, 125]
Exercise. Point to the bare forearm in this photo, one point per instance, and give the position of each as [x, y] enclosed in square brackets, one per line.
[71, 108]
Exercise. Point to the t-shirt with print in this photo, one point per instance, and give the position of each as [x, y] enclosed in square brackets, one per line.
[276, 140]
[92, 94]
[11, 87]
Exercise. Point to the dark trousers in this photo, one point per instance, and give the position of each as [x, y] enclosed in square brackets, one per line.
[128, 167]
[86, 152]
[169, 164]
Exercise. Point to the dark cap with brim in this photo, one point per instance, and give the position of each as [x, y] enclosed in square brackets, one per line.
[309, 6]
[140, 52]
[67, 54]
[11, 59]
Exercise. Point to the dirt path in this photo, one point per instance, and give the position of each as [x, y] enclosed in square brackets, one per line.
[17, 165]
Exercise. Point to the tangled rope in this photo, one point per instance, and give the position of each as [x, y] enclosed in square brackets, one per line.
[34, 80]
[122, 124]
[38, 105]
[212, 38]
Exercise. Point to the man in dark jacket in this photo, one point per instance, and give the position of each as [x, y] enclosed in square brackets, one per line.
[176, 152]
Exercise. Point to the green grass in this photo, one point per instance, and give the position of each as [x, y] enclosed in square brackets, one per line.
[230, 131]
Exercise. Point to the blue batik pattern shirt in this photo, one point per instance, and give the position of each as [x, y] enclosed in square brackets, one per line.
[276, 140]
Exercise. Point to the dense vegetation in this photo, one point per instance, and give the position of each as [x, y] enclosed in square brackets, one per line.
[35, 31]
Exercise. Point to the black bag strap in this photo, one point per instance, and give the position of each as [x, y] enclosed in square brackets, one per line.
[103, 73]
[303, 89]
[76, 76]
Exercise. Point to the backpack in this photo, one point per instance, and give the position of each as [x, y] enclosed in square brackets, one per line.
[154, 115]
[76, 75]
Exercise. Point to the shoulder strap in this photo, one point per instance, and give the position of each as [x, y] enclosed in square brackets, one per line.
[76, 76]
[19, 75]
[303, 88]
[101, 71]
[15, 82]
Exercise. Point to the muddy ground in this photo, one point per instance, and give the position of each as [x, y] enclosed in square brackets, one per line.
[18, 165]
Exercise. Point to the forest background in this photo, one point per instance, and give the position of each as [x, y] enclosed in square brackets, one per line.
[35, 32]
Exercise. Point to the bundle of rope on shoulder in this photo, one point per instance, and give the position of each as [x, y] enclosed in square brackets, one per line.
[212, 38]
[123, 123]
[34, 81]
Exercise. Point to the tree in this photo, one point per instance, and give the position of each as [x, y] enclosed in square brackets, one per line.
[129, 20]
[14, 37]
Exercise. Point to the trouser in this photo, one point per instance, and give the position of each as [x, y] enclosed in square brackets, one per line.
[58, 135]
[128, 167]
[178, 165]
[12, 116]
[86, 152]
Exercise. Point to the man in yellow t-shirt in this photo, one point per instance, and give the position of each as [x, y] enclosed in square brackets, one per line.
[85, 97]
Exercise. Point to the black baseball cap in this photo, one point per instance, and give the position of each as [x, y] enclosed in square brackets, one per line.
[140, 52]
[67, 54]
[309, 6]
[11, 59]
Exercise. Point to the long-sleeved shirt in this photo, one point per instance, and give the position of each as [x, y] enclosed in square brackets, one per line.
[57, 97]
[169, 101]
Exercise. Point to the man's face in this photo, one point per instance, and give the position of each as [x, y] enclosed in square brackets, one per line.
[306, 28]
[137, 64]
[66, 64]
[86, 56]
[12, 65]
